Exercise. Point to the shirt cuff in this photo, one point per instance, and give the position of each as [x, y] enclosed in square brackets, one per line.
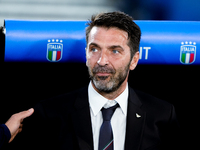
[6, 132]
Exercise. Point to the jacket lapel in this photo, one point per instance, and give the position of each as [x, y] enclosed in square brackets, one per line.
[82, 121]
[83, 128]
[135, 122]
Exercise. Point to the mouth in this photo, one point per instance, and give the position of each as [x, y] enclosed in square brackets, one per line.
[103, 74]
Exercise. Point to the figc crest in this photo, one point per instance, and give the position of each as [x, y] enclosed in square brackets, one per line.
[187, 52]
[54, 50]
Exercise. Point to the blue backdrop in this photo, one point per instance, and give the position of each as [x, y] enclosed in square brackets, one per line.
[162, 42]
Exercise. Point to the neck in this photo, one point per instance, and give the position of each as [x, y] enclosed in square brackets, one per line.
[112, 95]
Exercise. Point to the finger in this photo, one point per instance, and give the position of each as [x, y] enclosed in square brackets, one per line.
[21, 120]
[21, 125]
[13, 136]
[19, 130]
[25, 114]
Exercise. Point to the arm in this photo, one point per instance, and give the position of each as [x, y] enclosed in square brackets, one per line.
[14, 124]
[171, 136]
[4, 134]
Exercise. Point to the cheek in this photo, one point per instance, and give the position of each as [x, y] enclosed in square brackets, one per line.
[88, 57]
[91, 59]
[90, 63]
[122, 63]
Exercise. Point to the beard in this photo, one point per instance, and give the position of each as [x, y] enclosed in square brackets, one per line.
[110, 83]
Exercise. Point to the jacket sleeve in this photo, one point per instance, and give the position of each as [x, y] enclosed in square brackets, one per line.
[4, 135]
[172, 133]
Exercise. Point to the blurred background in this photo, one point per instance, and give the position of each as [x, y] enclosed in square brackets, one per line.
[82, 9]
[25, 84]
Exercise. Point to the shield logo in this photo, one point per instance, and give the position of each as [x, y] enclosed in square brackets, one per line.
[188, 52]
[54, 50]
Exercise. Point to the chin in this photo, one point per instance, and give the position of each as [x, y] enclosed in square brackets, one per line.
[105, 86]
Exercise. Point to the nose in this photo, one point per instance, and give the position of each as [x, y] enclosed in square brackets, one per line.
[103, 59]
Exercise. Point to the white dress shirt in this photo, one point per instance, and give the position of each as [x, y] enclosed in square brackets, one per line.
[118, 120]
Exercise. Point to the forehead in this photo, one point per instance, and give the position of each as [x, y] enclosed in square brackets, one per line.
[108, 35]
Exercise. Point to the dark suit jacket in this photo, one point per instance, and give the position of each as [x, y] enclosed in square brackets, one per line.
[64, 123]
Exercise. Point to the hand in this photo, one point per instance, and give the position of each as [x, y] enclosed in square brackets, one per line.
[14, 124]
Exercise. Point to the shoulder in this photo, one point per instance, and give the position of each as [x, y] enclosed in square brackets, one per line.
[148, 99]
[160, 119]
[65, 98]
[153, 105]
[61, 103]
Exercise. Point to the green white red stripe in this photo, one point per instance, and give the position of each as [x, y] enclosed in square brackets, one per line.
[108, 145]
[54, 55]
[187, 58]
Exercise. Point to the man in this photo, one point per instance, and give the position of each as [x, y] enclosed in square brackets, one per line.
[79, 120]
[13, 126]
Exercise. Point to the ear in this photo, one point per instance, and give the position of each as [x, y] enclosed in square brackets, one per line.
[134, 61]
[86, 56]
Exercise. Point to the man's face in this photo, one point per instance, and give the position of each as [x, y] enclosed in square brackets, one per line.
[108, 58]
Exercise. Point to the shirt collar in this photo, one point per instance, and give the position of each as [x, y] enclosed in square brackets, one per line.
[122, 100]
[97, 101]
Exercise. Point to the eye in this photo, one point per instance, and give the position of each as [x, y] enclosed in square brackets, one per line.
[94, 50]
[115, 51]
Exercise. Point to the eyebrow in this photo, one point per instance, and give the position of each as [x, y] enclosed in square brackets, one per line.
[110, 47]
[94, 44]
[115, 46]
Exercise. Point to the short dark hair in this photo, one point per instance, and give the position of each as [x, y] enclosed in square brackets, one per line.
[118, 20]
